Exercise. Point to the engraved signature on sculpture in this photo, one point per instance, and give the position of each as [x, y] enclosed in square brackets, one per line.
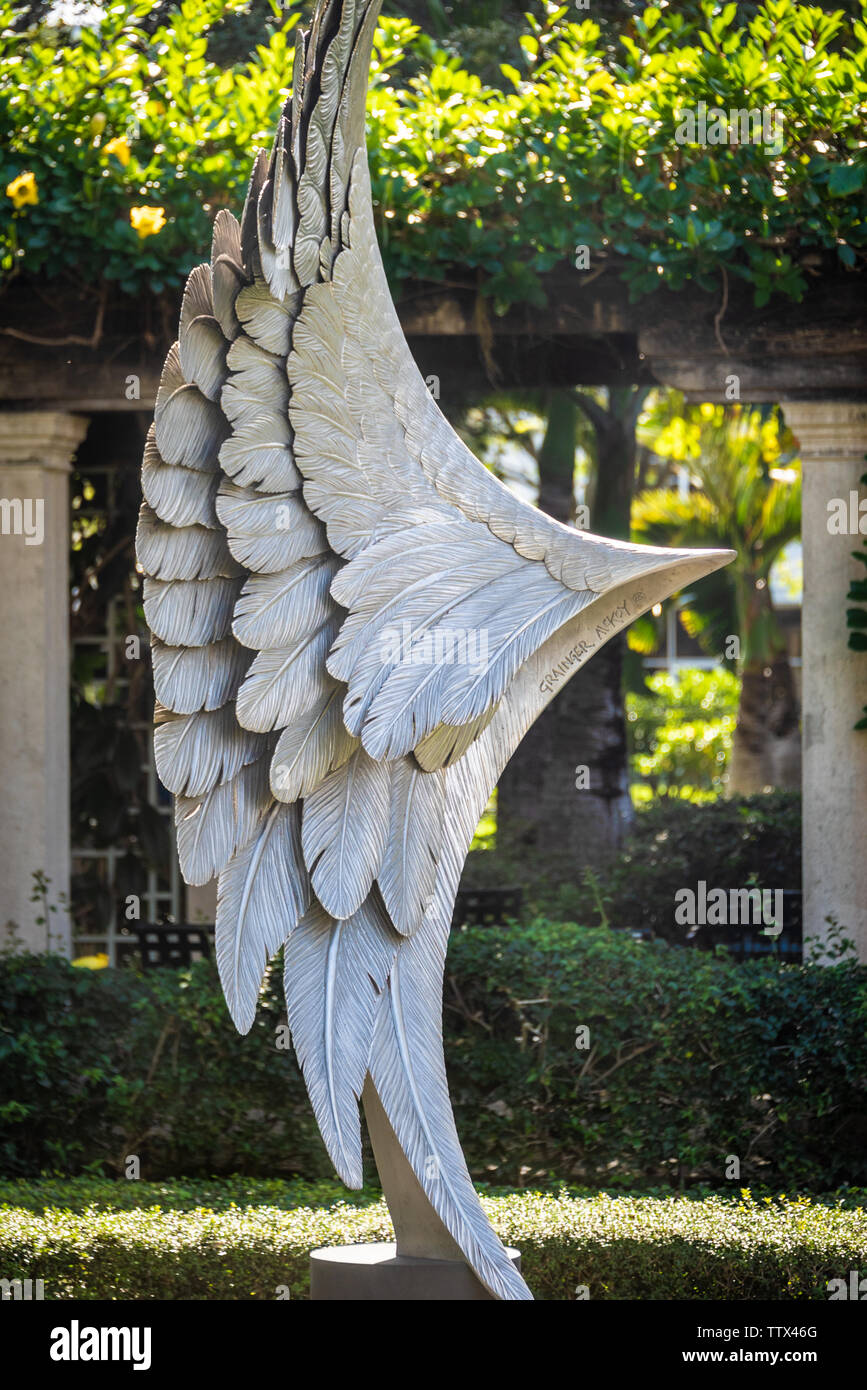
[618, 617]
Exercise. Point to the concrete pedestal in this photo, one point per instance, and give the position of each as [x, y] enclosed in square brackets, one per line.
[361, 1273]
[423, 1263]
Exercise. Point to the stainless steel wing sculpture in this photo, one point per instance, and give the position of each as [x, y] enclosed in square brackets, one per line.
[353, 626]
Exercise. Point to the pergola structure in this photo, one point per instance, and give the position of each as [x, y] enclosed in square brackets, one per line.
[70, 357]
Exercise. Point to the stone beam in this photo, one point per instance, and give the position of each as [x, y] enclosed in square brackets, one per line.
[59, 351]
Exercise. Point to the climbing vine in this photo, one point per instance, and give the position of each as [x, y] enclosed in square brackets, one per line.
[121, 140]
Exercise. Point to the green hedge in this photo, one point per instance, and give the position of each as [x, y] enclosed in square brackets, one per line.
[621, 1247]
[729, 843]
[690, 1060]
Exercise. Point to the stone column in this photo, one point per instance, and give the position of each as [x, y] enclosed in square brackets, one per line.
[833, 440]
[36, 449]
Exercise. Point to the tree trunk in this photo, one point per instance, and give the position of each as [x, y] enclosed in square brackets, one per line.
[766, 748]
[565, 794]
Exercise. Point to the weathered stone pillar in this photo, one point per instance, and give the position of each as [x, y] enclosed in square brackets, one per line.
[36, 449]
[833, 439]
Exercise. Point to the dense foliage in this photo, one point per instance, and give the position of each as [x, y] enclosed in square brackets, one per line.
[689, 1059]
[120, 143]
[736, 842]
[680, 731]
[728, 843]
[598, 1247]
[744, 494]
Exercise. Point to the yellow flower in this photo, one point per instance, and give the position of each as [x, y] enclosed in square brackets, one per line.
[147, 221]
[119, 147]
[22, 190]
[98, 962]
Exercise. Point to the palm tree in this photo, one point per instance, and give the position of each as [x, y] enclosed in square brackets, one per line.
[748, 497]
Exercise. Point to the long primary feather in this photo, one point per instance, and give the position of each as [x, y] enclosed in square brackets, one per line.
[262, 892]
[311, 747]
[335, 975]
[408, 1072]
[407, 875]
[212, 827]
[407, 1067]
[344, 832]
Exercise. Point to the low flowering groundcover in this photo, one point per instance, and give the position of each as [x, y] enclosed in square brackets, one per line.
[240, 1239]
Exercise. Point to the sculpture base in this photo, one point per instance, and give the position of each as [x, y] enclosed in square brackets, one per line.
[360, 1273]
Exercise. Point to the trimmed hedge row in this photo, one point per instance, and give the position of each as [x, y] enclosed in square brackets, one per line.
[690, 1061]
[576, 1054]
[620, 1247]
[193, 1194]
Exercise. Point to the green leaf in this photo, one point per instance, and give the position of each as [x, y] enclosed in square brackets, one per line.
[845, 179]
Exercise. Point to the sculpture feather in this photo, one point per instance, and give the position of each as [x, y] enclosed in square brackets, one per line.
[176, 494]
[408, 872]
[344, 832]
[336, 972]
[274, 610]
[310, 748]
[317, 545]
[211, 827]
[263, 892]
[187, 679]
